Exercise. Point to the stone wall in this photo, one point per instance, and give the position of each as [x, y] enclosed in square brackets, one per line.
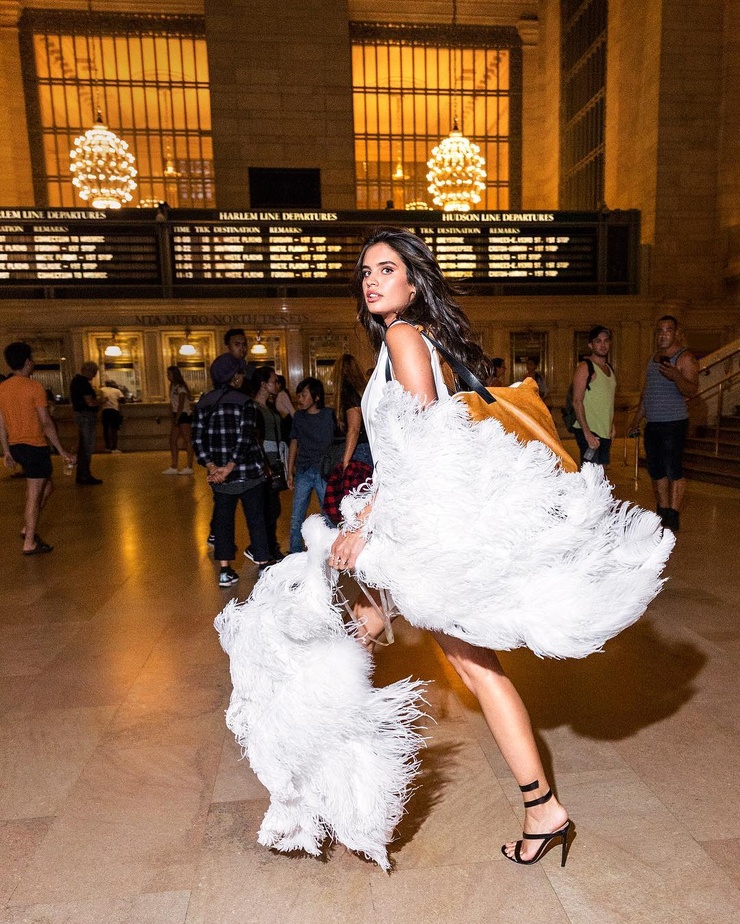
[281, 94]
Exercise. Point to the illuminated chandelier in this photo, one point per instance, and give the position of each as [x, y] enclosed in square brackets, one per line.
[102, 167]
[456, 172]
[456, 169]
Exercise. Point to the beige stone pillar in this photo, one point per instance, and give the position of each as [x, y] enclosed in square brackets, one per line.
[540, 108]
[281, 94]
[16, 179]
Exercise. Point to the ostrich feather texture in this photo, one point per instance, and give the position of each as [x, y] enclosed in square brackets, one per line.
[336, 754]
[483, 537]
[474, 534]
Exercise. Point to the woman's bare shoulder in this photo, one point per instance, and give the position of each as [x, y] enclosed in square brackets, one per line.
[403, 334]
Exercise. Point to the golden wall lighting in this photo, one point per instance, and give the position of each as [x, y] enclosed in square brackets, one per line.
[187, 348]
[113, 349]
[258, 348]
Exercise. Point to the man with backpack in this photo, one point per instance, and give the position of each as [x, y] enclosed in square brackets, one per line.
[594, 387]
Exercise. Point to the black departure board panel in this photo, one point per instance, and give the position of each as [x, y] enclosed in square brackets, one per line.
[60, 247]
[184, 253]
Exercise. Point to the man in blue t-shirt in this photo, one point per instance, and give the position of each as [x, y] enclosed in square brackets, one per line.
[311, 436]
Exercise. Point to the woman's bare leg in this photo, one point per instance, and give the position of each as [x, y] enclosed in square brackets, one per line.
[508, 720]
[174, 438]
[187, 437]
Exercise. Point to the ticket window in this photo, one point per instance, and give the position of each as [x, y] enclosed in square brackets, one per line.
[50, 366]
[120, 359]
[192, 352]
[526, 345]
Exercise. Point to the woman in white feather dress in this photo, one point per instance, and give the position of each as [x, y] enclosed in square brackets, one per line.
[399, 281]
[339, 754]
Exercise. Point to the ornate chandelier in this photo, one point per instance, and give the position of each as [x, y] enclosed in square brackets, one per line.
[102, 167]
[456, 172]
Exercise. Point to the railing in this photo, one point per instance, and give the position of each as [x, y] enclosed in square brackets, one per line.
[719, 389]
[719, 376]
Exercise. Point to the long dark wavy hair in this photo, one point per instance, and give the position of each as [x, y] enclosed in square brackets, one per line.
[434, 306]
[177, 379]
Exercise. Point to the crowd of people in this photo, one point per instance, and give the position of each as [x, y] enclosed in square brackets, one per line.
[296, 446]
[254, 443]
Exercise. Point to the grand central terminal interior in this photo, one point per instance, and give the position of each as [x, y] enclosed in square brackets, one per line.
[250, 149]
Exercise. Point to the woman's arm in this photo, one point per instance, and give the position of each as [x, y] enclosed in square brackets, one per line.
[412, 364]
[354, 422]
[412, 367]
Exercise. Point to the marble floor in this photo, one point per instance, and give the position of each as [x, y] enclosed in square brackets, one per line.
[123, 799]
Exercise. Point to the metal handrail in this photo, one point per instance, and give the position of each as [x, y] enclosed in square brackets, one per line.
[721, 359]
[709, 388]
[720, 387]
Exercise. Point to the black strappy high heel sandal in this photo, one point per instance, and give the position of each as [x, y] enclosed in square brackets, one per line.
[546, 839]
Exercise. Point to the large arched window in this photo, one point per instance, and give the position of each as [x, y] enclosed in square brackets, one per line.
[149, 77]
[409, 85]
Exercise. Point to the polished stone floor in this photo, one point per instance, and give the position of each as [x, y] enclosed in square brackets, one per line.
[123, 800]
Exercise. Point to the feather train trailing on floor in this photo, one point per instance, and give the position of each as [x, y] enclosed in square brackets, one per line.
[474, 534]
[336, 754]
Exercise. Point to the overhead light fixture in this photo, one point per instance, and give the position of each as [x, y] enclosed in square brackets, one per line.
[456, 173]
[102, 167]
[113, 349]
[101, 164]
[258, 348]
[187, 348]
[456, 169]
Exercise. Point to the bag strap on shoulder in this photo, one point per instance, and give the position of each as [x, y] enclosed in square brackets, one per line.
[462, 373]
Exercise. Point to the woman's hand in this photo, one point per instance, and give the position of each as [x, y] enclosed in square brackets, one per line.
[345, 549]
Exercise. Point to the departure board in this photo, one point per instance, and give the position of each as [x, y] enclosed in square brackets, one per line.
[67, 246]
[202, 253]
[486, 247]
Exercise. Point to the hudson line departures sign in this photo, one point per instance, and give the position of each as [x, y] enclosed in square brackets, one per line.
[189, 253]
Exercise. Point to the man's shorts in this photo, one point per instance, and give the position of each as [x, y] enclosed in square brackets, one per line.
[34, 460]
[603, 453]
[664, 443]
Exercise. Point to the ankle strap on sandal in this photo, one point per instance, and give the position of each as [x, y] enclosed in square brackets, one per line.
[530, 787]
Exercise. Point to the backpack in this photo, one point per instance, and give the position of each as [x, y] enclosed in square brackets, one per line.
[569, 412]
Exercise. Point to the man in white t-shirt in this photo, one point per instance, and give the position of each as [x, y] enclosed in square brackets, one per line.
[111, 414]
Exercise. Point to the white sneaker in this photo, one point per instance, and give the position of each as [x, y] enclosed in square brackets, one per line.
[185, 471]
[170, 471]
[118, 451]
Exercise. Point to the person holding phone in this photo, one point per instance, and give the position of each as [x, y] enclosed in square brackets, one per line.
[671, 378]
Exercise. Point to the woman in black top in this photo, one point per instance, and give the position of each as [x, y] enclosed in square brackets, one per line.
[349, 386]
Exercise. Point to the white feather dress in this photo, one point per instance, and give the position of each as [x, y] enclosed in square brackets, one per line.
[474, 534]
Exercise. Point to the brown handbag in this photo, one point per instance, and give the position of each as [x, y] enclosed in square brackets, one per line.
[519, 410]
